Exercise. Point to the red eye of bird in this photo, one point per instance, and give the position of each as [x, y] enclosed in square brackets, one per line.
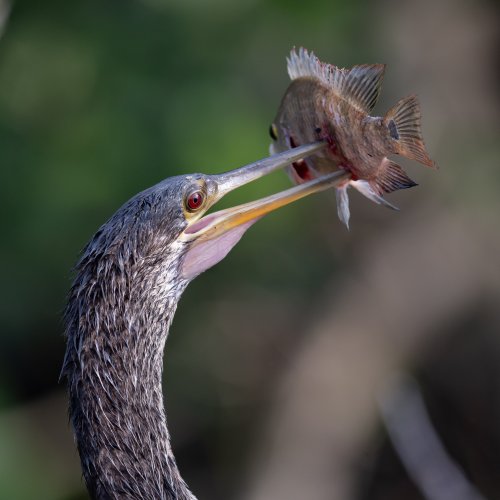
[195, 201]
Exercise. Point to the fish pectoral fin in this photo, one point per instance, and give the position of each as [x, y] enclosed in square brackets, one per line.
[343, 204]
[362, 85]
[365, 188]
[403, 127]
[391, 177]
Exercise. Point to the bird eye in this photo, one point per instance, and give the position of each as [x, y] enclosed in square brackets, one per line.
[195, 200]
[273, 132]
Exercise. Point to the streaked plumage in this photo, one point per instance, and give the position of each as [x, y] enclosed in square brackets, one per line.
[128, 282]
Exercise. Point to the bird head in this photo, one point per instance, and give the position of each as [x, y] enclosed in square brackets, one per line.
[170, 225]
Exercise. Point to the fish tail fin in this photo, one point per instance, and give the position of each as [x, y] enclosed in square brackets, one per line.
[403, 126]
[391, 177]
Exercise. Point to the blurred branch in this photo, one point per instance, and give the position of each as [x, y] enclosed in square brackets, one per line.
[419, 446]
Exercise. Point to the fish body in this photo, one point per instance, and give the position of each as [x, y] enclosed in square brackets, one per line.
[327, 103]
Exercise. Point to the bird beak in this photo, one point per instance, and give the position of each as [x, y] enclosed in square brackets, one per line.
[211, 238]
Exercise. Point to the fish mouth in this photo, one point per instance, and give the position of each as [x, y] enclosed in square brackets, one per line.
[300, 170]
[211, 237]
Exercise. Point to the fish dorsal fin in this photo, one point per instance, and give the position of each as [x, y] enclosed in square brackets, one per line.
[362, 85]
[305, 64]
[359, 85]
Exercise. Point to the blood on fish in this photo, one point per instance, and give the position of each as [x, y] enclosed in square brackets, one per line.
[333, 146]
[300, 166]
[302, 170]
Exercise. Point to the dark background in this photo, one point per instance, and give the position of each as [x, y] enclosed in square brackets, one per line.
[280, 356]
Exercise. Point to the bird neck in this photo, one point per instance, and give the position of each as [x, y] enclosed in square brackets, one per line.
[117, 325]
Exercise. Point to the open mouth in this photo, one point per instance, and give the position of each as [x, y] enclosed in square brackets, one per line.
[301, 170]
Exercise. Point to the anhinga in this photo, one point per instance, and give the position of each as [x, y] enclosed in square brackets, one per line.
[128, 282]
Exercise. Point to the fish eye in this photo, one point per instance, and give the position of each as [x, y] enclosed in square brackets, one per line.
[273, 132]
[195, 200]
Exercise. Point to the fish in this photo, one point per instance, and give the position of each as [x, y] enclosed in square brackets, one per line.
[334, 105]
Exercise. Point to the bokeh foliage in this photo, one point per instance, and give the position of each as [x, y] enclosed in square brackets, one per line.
[99, 100]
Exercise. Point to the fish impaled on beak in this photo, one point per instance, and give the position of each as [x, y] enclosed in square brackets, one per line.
[210, 237]
[333, 104]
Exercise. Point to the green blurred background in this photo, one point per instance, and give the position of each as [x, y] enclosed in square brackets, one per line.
[278, 355]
